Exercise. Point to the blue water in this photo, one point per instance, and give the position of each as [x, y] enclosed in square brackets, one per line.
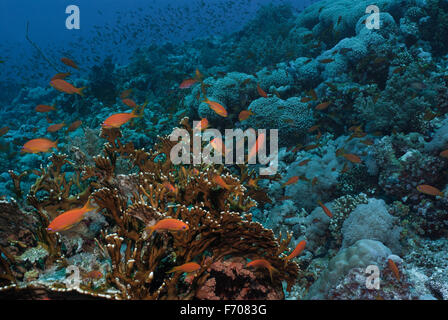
[114, 28]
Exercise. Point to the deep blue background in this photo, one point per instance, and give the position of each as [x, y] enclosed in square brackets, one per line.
[115, 27]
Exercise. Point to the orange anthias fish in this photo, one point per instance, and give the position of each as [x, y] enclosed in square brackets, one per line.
[198, 75]
[94, 274]
[220, 182]
[367, 142]
[125, 94]
[69, 218]
[75, 125]
[186, 267]
[4, 131]
[444, 154]
[39, 145]
[313, 94]
[169, 187]
[215, 106]
[311, 147]
[319, 135]
[291, 180]
[326, 210]
[261, 92]
[64, 86]
[313, 128]
[304, 162]
[69, 62]
[352, 158]
[218, 145]
[324, 61]
[44, 108]
[56, 127]
[262, 263]
[118, 119]
[61, 75]
[298, 250]
[187, 83]
[323, 105]
[306, 99]
[168, 224]
[429, 190]
[129, 102]
[260, 141]
[244, 115]
[394, 268]
[202, 125]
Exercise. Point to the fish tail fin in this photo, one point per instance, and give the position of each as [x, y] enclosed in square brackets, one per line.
[80, 91]
[56, 144]
[88, 206]
[151, 230]
[271, 271]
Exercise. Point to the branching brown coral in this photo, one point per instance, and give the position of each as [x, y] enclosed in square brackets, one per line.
[220, 226]
[16, 178]
[57, 188]
[236, 283]
[52, 195]
[6, 275]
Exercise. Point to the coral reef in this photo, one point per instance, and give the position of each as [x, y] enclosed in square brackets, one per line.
[230, 280]
[139, 261]
[371, 221]
[362, 123]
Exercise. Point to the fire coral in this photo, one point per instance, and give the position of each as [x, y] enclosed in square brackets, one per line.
[220, 226]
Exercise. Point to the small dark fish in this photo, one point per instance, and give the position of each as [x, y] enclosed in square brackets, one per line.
[323, 105]
[398, 70]
[418, 85]
[306, 99]
[324, 61]
[339, 20]
[311, 147]
[246, 81]
[331, 86]
[379, 60]
[4, 131]
[307, 61]
[75, 125]
[429, 115]
[345, 50]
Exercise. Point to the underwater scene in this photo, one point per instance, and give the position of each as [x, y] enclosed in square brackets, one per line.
[224, 150]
